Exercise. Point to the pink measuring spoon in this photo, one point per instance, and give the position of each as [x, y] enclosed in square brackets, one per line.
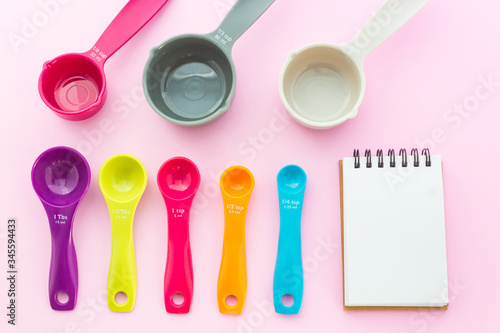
[73, 85]
[178, 180]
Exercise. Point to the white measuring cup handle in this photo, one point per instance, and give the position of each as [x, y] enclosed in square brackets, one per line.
[241, 17]
[386, 21]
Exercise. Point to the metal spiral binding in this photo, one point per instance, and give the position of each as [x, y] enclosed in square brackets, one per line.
[404, 157]
[427, 154]
[368, 155]
[392, 158]
[356, 159]
[380, 155]
[414, 153]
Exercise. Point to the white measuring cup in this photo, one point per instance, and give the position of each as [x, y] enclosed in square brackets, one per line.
[322, 85]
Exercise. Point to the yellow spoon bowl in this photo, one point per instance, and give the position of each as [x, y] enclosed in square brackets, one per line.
[122, 180]
[236, 185]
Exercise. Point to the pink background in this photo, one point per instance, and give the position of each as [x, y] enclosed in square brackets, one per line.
[432, 65]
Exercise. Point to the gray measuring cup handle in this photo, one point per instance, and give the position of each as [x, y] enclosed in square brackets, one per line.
[386, 21]
[241, 17]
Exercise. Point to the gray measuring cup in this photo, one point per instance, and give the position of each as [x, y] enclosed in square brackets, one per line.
[190, 79]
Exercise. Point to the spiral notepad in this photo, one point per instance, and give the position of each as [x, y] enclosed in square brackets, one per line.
[393, 231]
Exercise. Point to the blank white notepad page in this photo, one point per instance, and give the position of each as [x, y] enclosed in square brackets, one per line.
[394, 234]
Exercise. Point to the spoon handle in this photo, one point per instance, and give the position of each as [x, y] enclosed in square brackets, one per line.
[63, 274]
[233, 268]
[384, 23]
[241, 17]
[179, 269]
[122, 277]
[124, 26]
[288, 273]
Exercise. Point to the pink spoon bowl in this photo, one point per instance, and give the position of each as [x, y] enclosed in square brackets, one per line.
[73, 85]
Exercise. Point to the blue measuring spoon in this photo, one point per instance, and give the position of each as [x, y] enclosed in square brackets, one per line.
[288, 273]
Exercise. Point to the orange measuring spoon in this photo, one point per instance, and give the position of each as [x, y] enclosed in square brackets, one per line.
[236, 185]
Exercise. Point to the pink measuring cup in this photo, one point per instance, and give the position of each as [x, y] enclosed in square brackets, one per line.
[73, 85]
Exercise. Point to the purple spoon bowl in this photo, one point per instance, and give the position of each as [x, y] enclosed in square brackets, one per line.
[60, 178]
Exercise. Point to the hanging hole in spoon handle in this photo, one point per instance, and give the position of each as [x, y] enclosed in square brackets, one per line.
[386, 21]
[124, 26]
[121, 298]
[63, 274]
[242, 15]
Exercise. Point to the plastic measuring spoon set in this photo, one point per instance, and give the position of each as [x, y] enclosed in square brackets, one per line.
[61, 178]
[190, 79]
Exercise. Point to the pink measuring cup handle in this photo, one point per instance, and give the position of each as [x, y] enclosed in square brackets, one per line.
[125, 25]
[179, 269]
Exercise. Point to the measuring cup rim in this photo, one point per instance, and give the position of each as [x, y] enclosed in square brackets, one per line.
[344, 48]
[92, 108]
[315, 124]
[122, 156]
[165, 190]
[191, 122]
[206, 37]
[285, 189]
[37, 163]
[242, 168]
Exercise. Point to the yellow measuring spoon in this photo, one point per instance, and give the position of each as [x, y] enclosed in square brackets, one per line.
[122, 180]
[236, 184]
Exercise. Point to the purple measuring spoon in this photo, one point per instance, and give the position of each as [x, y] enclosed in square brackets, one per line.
[60, 178]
